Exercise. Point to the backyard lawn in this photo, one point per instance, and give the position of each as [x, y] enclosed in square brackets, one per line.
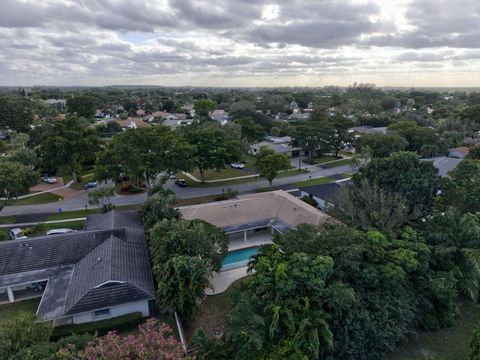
[7, 311]
[319, 181]
[446, 344]
[211, 315]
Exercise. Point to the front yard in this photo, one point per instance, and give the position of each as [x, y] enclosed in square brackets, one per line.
[7, 311]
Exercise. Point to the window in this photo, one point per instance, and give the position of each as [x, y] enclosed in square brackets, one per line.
[103, 312]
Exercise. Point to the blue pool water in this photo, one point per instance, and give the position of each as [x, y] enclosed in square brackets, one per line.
[238, 258]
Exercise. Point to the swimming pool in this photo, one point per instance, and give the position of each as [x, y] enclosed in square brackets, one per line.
[238, 258]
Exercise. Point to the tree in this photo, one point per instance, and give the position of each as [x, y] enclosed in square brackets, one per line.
[195, 238]
[213, 149]
[367, 206]
[27, 157]
[251, 131]
[102, 198]
[16, 114]
[416, 135]
[342, 136]
[314, 138]
[153, 341]
[143, 154]
[268, 163]
[475, 346]
[181, 283]
[70, 143]
[287, 302]
[21, 331]
[382, 145]
[15, 179]
[82, 106]
[462, 191]
[159, 206]
[474, 153]
[203, 108]
[405, 174]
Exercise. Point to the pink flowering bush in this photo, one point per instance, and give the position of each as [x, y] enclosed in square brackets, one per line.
[155, 342]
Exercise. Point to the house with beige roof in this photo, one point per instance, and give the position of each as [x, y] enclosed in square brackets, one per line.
[251, 221]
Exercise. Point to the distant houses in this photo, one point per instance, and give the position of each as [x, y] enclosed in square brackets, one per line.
[281, 145]
[459, 152]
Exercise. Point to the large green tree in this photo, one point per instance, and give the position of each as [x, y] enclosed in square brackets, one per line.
[268, 163]
[462, 190]
[16, 114]
[70, 143]
[315, 138]
[143, 154]
[416, 135]
[405, 174]
[15, 178]
[203, 108]
[381, 145]
[82, 106]
[213, 149]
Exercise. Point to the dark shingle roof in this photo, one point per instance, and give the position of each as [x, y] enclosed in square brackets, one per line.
[78, 266]
[328, 192]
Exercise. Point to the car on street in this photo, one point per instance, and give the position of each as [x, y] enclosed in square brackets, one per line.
[16, 233]
[237, 165]
[90, 185]
[48, 179]
[59, 231]
[181, 182]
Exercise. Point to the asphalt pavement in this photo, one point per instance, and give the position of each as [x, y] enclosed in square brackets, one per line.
[80, 201]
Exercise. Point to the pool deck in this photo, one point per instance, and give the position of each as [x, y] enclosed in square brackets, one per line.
[222, 280]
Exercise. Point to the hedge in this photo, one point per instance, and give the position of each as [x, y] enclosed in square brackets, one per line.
[102, 327]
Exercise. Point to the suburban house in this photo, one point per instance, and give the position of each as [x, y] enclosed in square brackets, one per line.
[94, 274]
[133, 124]
[220, 115]
[281, 145]
[251, 221]
[326, 195]
[458, 153]
[444, 164]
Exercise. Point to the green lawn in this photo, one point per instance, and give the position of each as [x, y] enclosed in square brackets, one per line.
[66, 175]
[338, 163]
[319, 160]
[291, 172]
[75, 225]
[7, 220]
[197, 200]
[312, 182]
[38, 199]
[7, 311]
[211, 315]
[446, 344]
[80, 185]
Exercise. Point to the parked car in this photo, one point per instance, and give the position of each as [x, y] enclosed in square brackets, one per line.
[59, 231]
[90, 185]
[181, 182]
[17, 233]
[237, 165]
[48, 179]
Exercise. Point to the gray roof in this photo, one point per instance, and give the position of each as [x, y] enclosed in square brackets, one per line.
[328, 192]
[105, 265]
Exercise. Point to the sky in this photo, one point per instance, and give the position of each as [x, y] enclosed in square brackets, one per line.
[233, 43]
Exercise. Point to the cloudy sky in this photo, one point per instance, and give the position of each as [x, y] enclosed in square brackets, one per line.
[240, 42]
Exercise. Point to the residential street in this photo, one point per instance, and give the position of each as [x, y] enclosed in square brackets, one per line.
[79, 202]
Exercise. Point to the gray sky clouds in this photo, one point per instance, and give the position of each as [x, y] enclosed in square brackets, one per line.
[240, 42]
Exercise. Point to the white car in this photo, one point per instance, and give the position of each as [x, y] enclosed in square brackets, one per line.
[17, 233]
[48, 179]
[237, 166]
[59, 231]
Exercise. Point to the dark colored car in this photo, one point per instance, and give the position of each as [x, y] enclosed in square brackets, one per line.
[181, 182]
[90, 185]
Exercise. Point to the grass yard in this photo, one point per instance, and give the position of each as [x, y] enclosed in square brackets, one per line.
[80, 185]
[197, 200]
[75, 225]
[38, 199]
[446, 344]
[212, 313]
[67, 175]
[337, 163]
[7, 220]
[319, 160]
[319, 181]
[291, 172]
[7, 311]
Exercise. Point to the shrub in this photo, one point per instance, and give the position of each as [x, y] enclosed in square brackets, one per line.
[135, 190]
[310, 200]
[120, 323]
[126, 187]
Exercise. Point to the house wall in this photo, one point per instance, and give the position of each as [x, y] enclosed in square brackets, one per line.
[117, 310]
[321, 204]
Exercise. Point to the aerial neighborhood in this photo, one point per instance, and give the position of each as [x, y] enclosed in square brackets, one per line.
[191, 215]
[239, 180]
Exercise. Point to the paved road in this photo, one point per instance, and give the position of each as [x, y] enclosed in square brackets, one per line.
[79, 202]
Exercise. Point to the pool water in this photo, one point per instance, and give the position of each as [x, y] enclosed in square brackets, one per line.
[238, 258]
